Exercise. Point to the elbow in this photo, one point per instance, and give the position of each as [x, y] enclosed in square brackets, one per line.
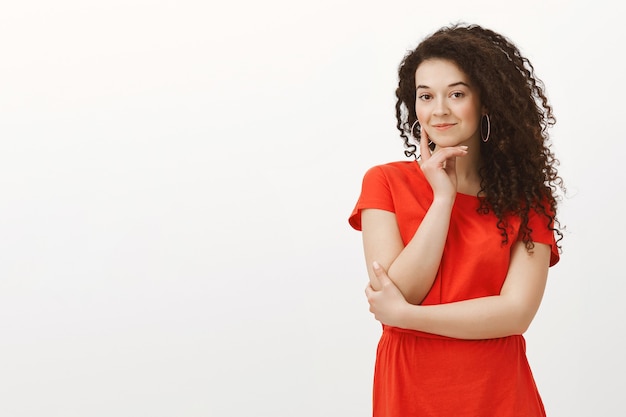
[520, 328]
[414, 297]
[519, 311]
[521, 320]
[413, 294]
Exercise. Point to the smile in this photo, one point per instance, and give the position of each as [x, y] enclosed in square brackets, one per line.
[443, 126]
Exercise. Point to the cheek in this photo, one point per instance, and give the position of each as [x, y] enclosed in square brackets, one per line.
[472, 116]
[422, 115]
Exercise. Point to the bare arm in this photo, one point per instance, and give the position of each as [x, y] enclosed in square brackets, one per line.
[508, 313]
[413, 268]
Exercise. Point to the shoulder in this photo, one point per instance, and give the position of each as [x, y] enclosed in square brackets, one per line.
[399, 166]
[394, 171]
[384, 186]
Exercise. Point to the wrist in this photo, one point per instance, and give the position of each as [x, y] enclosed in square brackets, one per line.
[406, 316]
[443, 201]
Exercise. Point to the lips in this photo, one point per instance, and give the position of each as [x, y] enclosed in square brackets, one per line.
[443, 126]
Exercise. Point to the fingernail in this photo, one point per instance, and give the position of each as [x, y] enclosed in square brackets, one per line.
[464, 147]
[375, 265]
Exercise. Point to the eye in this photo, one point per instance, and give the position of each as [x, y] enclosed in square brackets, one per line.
[457, 94]
[424, 96]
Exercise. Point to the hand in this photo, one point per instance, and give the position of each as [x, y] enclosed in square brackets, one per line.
[388, 303]
[439, 168]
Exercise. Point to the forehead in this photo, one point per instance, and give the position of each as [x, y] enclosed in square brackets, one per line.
[439, 72]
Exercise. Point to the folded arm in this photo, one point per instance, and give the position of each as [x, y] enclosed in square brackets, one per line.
[508, 313]
[413, 268]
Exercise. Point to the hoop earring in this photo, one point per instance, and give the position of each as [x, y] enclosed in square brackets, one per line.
[430, 142]
[413, 127]
[485, 139]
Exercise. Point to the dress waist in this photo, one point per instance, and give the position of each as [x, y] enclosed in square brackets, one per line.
[417, 333]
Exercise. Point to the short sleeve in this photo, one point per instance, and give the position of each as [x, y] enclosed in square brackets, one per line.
[542, 233]
[375, 193]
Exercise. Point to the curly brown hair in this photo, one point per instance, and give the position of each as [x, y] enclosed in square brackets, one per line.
[518, 171]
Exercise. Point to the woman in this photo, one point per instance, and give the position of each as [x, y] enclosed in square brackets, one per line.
[458, 242]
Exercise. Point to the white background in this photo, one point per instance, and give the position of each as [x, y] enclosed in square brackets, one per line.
[175, 183]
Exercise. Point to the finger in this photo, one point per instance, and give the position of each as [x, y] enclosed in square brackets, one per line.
[380, 273]
[450, 165]
[444, 154]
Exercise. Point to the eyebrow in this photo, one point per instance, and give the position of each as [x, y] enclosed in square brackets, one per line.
[449, 85]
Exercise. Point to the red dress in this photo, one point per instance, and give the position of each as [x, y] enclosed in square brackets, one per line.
[426, 375]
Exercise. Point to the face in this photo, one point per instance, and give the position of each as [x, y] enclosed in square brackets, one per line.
[447, 105]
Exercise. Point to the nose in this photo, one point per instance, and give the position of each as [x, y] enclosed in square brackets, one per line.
[441, 107]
